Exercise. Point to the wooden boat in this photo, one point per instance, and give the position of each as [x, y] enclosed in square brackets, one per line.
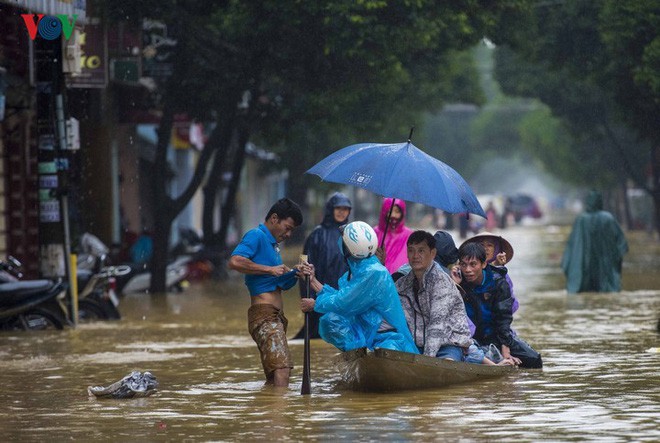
[385, 370]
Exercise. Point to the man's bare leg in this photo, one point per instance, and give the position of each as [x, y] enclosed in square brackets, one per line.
[281, 377]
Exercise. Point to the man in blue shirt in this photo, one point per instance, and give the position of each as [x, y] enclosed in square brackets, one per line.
[258, 257]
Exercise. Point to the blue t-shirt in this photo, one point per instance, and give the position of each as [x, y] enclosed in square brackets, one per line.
[260, 246]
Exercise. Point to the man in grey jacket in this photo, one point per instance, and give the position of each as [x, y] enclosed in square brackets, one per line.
[432, 304]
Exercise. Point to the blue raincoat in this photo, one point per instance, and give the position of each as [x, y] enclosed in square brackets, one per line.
[354, 312]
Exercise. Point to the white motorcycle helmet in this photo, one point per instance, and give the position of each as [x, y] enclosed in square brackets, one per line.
[359, 239]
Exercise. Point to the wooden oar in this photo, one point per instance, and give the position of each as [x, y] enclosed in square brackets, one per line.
[306, 388]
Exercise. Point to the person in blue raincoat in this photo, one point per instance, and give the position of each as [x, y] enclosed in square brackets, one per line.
[322, 251]
[353, 313]
[594, 253]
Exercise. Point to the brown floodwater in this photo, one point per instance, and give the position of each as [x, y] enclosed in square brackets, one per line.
[600, 382]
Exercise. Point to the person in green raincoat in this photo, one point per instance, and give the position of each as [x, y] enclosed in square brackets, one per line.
[595, 249]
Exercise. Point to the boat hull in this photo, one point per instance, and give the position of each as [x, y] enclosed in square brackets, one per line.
[384, 370]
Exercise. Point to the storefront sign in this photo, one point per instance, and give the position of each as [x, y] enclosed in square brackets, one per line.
[3, 87]
[93, 59]
[47, 168]
[48, 181]
[51, 263]
[47, 142]
[45, 194]
[49, 211]
[158, 51]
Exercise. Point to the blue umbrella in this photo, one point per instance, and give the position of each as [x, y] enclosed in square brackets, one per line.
[402, 171]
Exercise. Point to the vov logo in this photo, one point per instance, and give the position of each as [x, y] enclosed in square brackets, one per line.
[49, 27]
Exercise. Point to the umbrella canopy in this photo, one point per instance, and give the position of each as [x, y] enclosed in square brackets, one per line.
[401, 171]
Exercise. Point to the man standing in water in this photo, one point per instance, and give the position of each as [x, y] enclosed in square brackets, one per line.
[258, 257]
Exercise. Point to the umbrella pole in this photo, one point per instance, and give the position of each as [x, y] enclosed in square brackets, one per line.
[387, 223]
[389, 214]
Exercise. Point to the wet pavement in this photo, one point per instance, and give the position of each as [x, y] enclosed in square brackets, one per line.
[600, 382]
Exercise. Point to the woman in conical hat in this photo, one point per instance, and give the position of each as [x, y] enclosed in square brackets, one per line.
[498, 250]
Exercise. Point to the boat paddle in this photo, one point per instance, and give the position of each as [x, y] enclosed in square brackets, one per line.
[305, 388]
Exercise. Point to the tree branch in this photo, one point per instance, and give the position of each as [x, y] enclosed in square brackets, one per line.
[200, 173]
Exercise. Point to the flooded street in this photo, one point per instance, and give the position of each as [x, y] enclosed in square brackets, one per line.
[600, 380]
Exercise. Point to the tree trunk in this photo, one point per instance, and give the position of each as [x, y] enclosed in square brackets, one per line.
[167, 208]
[656, 203]
[298, 184]
[160, 258]
[229, 205]
[626, 206]
[655, 184]
[208, 206]
[222, 135]
[162, 218]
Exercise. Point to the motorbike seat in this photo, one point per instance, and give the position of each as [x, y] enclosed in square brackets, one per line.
[83, 276]
[13, 292]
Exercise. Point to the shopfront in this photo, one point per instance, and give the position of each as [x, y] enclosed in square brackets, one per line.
[35, 50]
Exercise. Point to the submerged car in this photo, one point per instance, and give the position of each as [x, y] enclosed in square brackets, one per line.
[523, 205]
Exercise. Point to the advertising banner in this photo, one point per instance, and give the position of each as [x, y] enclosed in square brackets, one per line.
[93, 59]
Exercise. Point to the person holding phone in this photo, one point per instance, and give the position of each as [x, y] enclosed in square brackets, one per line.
[258, 257]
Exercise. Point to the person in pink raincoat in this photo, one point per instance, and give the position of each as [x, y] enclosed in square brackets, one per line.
[395, 250]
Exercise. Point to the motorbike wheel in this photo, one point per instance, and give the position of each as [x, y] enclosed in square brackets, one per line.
[38, 319]
[104, 302]
[90, 310]
[111, 311]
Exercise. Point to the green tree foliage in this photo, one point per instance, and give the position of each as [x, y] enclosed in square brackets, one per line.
[595, 65]
[546, 138]
[314, 76]
[381, 66]
[467, 136]
[630, 66]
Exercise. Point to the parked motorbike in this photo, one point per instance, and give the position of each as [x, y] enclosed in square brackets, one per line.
[98, 299]
[94, 252]
[29, 304]
[10, 270]
[139, 279]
